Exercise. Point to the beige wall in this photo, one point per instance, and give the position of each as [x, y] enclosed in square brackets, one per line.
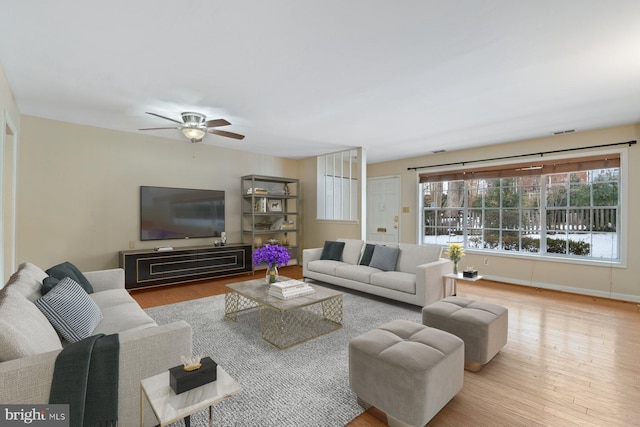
[79, 188]
[615, 282]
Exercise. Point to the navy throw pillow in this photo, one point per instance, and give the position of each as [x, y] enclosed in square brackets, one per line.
[66, 269]
[367, 254]
[332, 250]
[47, 284]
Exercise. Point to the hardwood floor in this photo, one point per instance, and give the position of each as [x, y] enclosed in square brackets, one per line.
[570, 359]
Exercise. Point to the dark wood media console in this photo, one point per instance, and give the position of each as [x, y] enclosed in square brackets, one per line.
[149, 267]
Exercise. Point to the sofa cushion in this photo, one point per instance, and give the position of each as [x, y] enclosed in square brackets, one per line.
[397, 280]
[384, 258]
[359, 273]
[325, 266]
[66, 269]
[352, 250]
[27, 280]
[70, 310]
[332, 251]
[411, 256]
[367, 254]
[123, 317]
[110, 298]
[24, 330]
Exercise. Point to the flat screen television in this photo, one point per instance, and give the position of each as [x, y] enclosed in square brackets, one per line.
[180, 213]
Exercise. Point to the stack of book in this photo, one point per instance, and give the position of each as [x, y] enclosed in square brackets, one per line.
[290, 289]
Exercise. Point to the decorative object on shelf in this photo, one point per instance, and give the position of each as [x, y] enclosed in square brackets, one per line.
[257, 242]
[455, 251]
[274, 256]
[274, 205]
[287, 225]
[273, 241]
[223, 238]
[287, 191]
[263, 225]
[257, 190]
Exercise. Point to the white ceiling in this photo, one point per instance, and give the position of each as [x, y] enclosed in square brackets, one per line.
[300, 78]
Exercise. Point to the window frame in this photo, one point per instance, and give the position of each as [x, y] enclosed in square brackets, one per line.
[345, 208]
[622, 209]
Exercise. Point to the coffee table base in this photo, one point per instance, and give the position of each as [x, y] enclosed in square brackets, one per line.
[286, 328]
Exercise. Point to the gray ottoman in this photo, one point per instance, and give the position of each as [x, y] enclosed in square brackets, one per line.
[482, 326]
[407, 370]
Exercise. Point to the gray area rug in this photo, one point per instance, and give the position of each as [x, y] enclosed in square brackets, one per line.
[306, 385]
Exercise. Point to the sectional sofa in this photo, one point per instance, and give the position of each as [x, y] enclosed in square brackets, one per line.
[404, 272]
[29, 344]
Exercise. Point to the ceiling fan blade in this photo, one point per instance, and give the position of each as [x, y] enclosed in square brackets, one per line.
[217, 122]
[166, 118]
[227, 134]
[177, 127]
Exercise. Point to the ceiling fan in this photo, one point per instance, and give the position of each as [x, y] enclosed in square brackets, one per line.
[195, 126]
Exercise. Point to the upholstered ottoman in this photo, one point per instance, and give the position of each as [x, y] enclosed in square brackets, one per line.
[482, 326]
[407, 370]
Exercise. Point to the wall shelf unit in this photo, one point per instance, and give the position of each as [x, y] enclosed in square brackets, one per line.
[271, 212]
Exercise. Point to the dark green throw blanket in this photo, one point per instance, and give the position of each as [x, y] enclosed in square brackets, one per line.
[86, 378]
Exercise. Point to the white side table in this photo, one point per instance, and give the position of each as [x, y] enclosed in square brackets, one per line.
[454, 278]
[170, 407]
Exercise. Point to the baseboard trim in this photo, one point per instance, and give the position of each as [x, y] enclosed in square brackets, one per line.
[569, 289]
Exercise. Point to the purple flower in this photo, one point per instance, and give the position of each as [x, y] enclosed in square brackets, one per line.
[273, 255]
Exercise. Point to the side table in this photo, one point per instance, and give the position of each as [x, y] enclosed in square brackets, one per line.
[169, 407]
[454, 278]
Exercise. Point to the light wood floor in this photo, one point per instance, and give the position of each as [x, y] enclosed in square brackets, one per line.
[570, 359]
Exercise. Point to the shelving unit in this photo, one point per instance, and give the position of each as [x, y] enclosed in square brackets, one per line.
[271, 212]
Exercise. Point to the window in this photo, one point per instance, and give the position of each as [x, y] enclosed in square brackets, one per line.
[338, 186]
[568, 209]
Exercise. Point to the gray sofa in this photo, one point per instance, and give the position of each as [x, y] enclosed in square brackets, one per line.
[416, 278]
[29, 345]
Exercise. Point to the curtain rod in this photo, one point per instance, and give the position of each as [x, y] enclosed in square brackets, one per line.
[516, 156]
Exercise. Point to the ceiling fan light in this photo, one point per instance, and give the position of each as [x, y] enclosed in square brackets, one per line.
[193, 133]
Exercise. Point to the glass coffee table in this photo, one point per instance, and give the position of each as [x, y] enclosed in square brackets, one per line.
[285, 323]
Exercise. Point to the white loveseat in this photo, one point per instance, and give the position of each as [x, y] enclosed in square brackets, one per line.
[416, 277]
[29, 345]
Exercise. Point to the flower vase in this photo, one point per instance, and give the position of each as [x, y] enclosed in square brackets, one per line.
[455, 268]
[272, 274]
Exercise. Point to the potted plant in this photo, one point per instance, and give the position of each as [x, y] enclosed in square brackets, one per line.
[274, 256]
[455, 251]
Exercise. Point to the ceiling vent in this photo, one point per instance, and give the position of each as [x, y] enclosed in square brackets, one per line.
[439, 151]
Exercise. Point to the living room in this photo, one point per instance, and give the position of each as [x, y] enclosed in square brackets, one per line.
[74, 189]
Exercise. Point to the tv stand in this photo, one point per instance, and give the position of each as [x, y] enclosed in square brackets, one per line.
[149, 267]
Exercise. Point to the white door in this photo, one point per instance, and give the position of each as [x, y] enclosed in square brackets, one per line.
[383, 209]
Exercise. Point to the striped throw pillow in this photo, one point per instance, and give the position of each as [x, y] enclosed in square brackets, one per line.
[70, 310]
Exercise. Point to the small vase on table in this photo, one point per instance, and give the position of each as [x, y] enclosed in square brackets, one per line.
[272, 274]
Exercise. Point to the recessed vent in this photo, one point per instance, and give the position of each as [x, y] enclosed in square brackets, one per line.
[439, 151]
[562, 132]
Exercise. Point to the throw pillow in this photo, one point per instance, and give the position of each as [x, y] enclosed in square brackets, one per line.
[70, 310]
[367, 254]
[24, 330]
[384, 258]
[47, 284]
[332, 250]
[66, 269]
